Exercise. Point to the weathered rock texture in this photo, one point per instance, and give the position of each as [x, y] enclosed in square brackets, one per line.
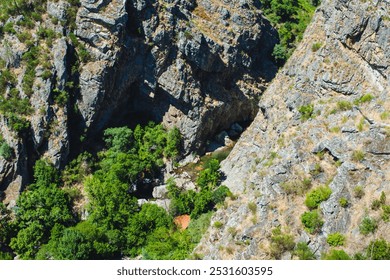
[345, 54]
[197, 65]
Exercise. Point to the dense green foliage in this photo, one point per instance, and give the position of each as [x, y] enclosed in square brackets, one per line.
[312, 221]
[45, 226]
[368, 225]
[39, 209]
[386, 213]
[316, 196]
[6, 151]
[5, 226]
[29, 9]
[378, 250]
[290, 17]
[12, 106]
[196, 203]
[336, 255]
[335, 239]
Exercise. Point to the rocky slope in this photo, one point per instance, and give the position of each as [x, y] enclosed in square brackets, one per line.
[197, 65]
[324, 120]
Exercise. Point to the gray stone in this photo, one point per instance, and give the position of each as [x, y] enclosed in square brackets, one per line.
[160, 192]
[163, 203]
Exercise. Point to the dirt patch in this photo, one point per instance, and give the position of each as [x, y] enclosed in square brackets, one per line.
[182, 221]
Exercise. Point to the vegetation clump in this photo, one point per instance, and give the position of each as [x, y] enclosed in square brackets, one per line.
[316, 46]
[343, 202]
[290, 17]
[47, 225]
[307, 112]
[303, 252]
[344, 105]
[358, 192]
[196, 203]
[368, 225]
[296, 186]
[280, 243]
[336, 255]
[358, 155]
[316, 196]
[6, 151]
[378, 250]
[335, 239]
[312, 221]
[364, 99]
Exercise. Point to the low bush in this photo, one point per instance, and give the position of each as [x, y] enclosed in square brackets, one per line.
[335, 239]
[316, 46]
[365, 98]
[312, 221]
[358, 155]
[343, 202]
[296, 186]
[316, 196]
[218, 224]
[252, 207]
[6, 151]
[307, 112]
[367, 226]
[386, 213]
[303, 252]
[378, 250]
[280, 243]
[61, 97]
[358, 192]
[344, 105]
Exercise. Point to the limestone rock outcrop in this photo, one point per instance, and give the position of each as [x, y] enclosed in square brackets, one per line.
[324, 120]
[196, 65]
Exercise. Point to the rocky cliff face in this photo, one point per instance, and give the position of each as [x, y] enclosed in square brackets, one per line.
[197, 65]
[324, 120]
[186, 63]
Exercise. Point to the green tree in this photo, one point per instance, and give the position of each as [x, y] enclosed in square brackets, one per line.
[312, 221]
[118, 139]
[45, 174]
[166, 244]
[6, 151]
[290, 18]
[303, 252]
[72, 245]
[38, 209]
[378, 250]
[28, 240]
[210, 176]
[111, 204]
[171, 149]
[368, 225]
[142, 224]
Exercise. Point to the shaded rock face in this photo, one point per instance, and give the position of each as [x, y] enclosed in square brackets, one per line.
[196, 65]
[341, 68]
[192, 64]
